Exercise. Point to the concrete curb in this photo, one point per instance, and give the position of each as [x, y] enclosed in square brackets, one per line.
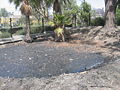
[16, 38]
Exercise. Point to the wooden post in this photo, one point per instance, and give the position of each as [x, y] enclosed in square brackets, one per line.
[10, 26]
[43, 24]
[75, 20]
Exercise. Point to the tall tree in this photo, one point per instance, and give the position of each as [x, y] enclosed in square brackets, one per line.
[71, 10]
[4, 12]
[16, 2]
[86, 13]
[40, 7]
[25, 10]
[110, 10]
[57, 5]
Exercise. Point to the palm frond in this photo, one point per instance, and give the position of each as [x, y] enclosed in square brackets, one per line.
[26, 9]
[16, 2]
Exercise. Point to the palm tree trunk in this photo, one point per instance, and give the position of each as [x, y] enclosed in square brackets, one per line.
[57, 7]
[28, 37]
[110, 8]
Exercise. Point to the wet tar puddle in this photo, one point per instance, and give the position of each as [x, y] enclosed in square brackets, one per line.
[42, 61]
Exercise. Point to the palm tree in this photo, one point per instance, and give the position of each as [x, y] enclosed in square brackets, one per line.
[27, 11]
[16, 2]
[38, 6]
[58, 5]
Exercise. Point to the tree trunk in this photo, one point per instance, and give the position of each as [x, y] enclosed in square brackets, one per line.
[43, 26]
[38, 18]
[28, 37]
[57, 7]
[11, 27]
[110, 8]
[89, 21]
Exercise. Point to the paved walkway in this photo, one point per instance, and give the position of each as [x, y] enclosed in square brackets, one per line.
[10, 40]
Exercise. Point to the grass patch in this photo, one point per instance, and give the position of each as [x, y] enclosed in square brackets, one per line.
[36, 29]
[20, 32]
[5, 35]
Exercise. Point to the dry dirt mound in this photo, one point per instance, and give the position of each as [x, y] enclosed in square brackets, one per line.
[109, 37]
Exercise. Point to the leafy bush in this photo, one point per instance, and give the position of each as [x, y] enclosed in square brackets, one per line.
[51, 23]
[118, 21]
[20, 32]
[36, 29]
[60, 20]
[4, 29]
[39, 29]
[14, 29]
[98, 21]
[0, 32]
[49, 28]
[118, 16]
[5, 35]
[59, 31]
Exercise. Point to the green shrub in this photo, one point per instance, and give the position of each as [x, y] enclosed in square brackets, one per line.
[99, 21]
[59, 31]
[5, 35]
[0, 32]
[20, 32]
[118, 21]
[118, 15]
[35, 29]
[60, 20]
[51, 23]
[4, 29]
[49, 28]
[39, 29]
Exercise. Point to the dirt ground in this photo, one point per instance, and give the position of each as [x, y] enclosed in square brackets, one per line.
[102, 77]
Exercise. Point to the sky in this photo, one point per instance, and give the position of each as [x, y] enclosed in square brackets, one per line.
[94, 3]
[11, 7]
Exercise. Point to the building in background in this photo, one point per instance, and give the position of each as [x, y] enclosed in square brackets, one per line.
[5, 21]
[99, 12]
